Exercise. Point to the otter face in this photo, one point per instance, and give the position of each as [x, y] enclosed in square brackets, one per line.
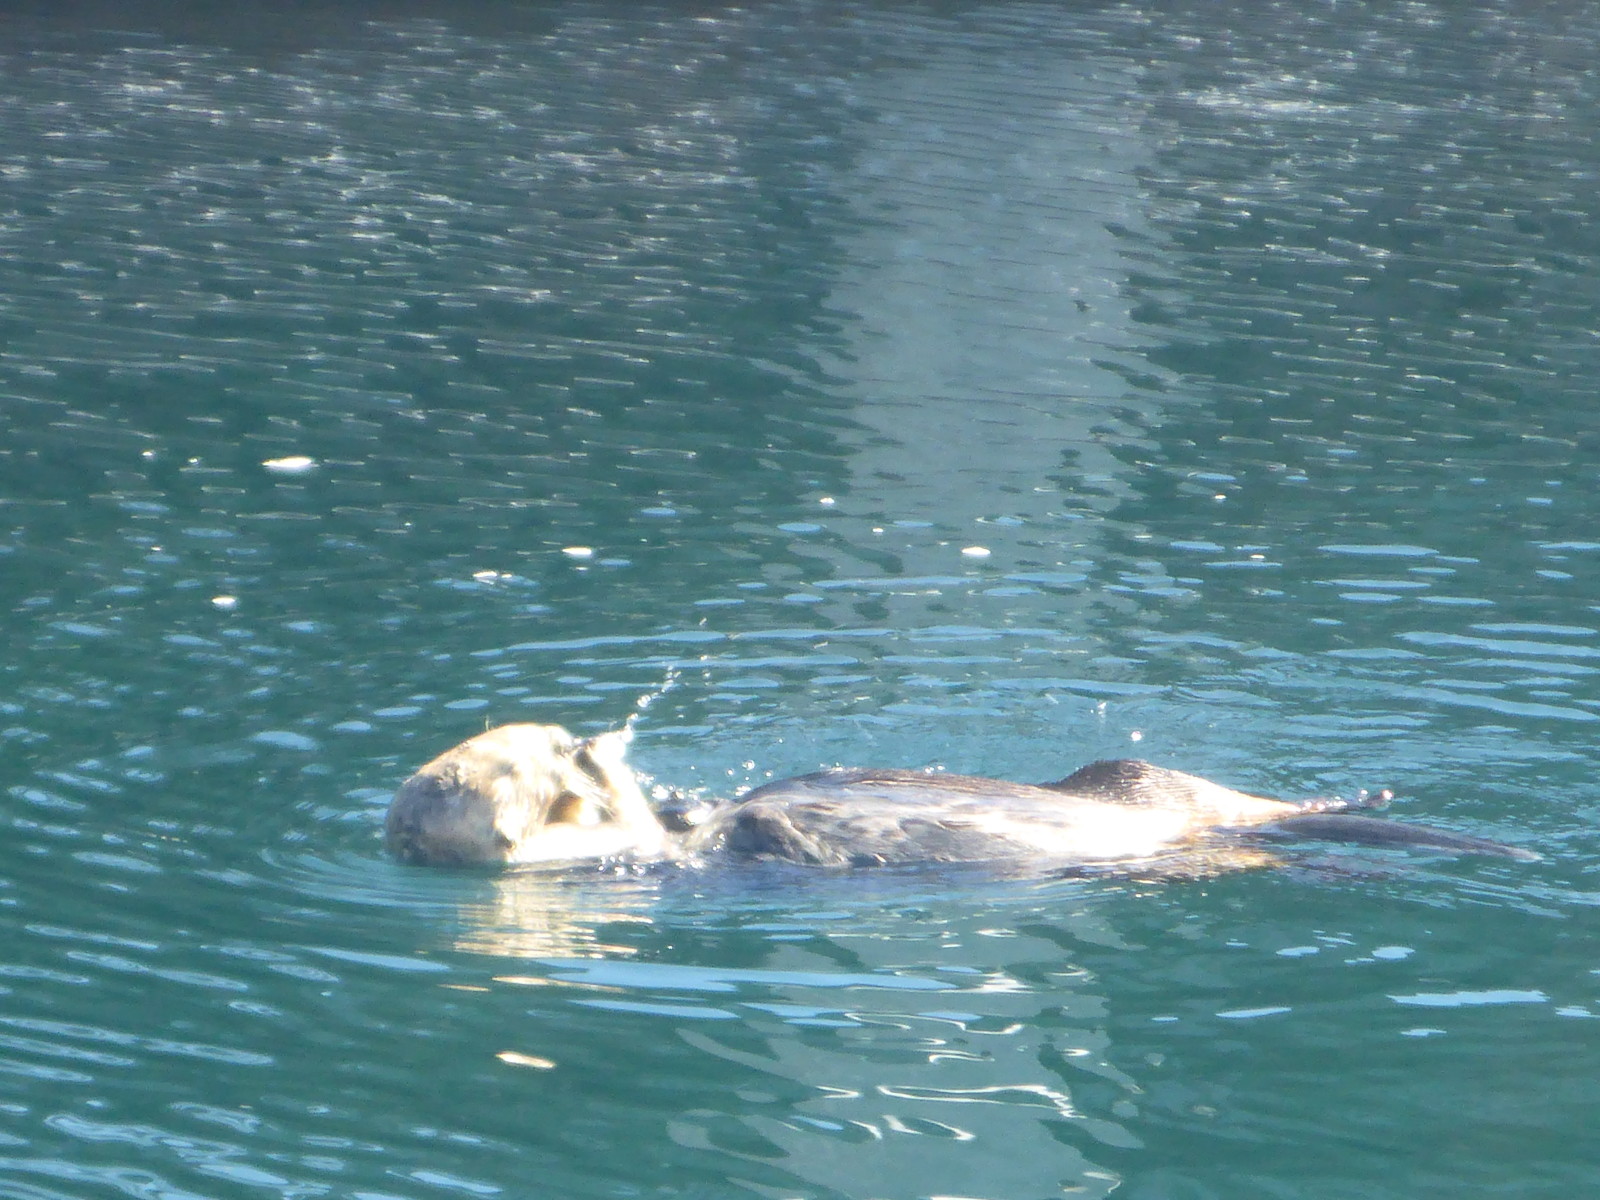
[523, 793]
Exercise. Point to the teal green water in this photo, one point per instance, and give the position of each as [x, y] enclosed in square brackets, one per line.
[995, 386]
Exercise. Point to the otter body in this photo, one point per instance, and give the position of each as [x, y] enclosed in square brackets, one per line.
[534, 793]
[1109, 813]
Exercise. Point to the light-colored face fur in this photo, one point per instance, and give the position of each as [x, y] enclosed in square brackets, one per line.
[524, 793]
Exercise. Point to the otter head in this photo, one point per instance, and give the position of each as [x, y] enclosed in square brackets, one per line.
[524, 793]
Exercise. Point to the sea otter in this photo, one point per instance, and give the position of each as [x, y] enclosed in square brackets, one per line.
[537, 794]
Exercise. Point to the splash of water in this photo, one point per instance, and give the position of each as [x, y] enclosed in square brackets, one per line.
[668, 682]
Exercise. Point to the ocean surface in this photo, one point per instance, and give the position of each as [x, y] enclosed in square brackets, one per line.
[992, 387]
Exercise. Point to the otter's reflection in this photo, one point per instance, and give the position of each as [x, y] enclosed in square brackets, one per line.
[534, 913]
[871, 1046]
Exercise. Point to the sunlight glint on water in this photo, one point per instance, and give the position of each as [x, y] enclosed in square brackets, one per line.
[995, 389]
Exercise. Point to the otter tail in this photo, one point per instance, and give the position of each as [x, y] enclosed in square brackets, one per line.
[1375, 831]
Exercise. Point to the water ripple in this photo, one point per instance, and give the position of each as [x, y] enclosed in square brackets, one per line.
[996, 388]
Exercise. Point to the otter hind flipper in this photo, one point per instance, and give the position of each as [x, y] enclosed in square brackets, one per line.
[1375, 831]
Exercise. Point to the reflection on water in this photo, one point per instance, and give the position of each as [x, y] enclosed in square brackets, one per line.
[997, 388]
[988, 216]
[861, 1049]
[531, 915]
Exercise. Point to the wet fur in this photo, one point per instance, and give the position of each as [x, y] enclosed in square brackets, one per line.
[1116, 811]
[523, 793]
[533, 793]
